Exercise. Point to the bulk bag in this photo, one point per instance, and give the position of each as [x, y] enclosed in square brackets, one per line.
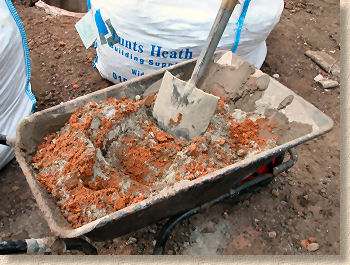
[16, 98]
[138, 37]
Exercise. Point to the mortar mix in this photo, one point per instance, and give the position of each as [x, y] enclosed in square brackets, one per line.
[111, 154]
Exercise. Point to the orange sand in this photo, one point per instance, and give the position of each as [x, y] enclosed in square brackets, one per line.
[137, 158]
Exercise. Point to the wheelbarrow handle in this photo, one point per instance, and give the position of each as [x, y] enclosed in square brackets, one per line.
[7, 140]
[46, 245]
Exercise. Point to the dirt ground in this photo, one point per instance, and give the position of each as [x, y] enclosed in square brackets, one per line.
[297, 205]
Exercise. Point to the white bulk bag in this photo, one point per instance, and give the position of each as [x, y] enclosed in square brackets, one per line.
[16, 98]
[260, 19]
[158, 33]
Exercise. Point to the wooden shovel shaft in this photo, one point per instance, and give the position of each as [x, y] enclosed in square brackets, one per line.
[228, 5]
[212, 41]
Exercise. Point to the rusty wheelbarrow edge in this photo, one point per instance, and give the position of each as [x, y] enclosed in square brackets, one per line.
[69, 232]
[166, 194]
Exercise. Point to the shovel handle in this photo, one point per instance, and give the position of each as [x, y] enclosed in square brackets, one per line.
[212, 41]
[228, 5]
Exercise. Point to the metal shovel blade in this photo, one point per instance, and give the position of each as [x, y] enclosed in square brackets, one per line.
[181, 115]
[182, 109]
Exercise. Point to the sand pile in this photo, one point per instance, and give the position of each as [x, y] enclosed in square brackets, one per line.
[112, 154]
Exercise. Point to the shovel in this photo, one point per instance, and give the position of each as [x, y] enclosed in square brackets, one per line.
[181, 109]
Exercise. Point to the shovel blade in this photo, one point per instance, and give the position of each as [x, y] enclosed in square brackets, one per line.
[184, 117]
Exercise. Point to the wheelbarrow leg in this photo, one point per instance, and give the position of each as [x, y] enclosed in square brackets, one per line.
[80, 244]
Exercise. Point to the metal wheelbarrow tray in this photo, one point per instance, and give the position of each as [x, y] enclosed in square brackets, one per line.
[175, 199]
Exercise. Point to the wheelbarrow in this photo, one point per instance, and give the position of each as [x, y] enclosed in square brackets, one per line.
[175, 203]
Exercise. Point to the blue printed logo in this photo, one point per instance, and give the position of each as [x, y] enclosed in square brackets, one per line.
[103, 31]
